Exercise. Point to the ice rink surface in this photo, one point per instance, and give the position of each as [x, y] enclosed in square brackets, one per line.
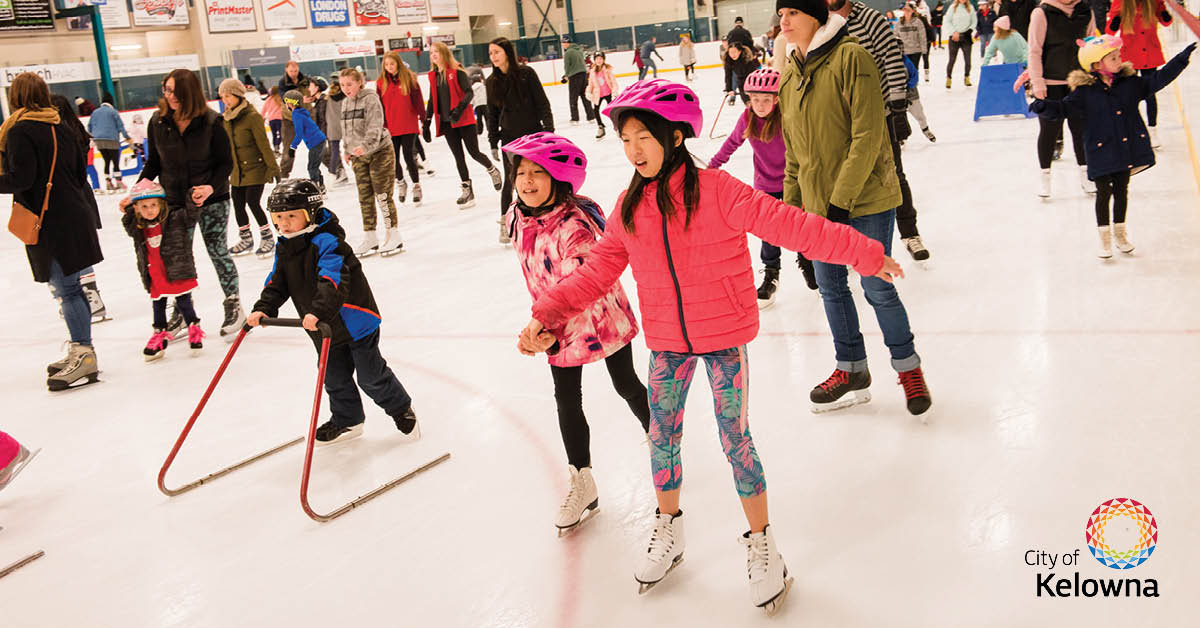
[1059, 381]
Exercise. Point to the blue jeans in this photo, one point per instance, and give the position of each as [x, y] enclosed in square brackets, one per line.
[361, 357]
[849, 349]
[75, 307]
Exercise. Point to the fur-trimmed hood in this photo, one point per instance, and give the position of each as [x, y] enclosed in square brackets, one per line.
[1079, 78]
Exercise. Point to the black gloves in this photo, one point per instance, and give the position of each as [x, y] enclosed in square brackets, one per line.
[1186, 53]
[291, 153]
[1165, 16]
[425, 131]
[898, 116]
[1037, 106]
[1114, 25]
[836, 214]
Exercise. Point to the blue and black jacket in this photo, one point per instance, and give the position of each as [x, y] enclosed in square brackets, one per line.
[320, 274]
[306, 129]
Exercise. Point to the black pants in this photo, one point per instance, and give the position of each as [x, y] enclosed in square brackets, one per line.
[568, 395]
[576, 86]
[315, 155]
[457, 138]
[288, 159]
[244, 195]
[1051, 130]
[1115, 186]
[963, 44]
[689, 70]
[419, 149]
[906, 213]
[480, 118]
[600, 118]
[1151, 101]
[361, 358]
[403, 146]
[276, 126]
[916, 59]
[183, 303]
[112, 160]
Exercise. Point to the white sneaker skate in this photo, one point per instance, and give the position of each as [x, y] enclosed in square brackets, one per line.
[1089, 186]
[581, 501]
[769, 581]
[1154, 143]
[393, 244]
[1045, 191]
[401, 191]
[369, 245]
[1106, 238]
[1121, 239]
[663, 553]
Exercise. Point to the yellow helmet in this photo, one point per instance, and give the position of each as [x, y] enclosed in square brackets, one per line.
[1093, 49]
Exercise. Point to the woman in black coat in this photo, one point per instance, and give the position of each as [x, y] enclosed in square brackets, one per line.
[188, 152]
[67, 242]
[517, 106]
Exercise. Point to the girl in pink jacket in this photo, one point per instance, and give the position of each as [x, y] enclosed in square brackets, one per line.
[553, 232]
[602, 86]
[683, 232]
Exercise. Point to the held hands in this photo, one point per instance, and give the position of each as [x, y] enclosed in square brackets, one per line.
[310, 321]
[531, 338]
[890, 270]
[425, 134]
[200, 193]
[358, 151]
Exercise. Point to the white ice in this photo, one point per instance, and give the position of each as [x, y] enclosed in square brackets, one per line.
[1059, 381]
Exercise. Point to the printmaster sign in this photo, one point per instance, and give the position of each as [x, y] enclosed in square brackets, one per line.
[230, 16]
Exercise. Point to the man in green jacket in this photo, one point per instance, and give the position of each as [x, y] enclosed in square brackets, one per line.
[839, 165]
[576, 72]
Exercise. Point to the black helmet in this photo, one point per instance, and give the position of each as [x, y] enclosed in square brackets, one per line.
[293, 194]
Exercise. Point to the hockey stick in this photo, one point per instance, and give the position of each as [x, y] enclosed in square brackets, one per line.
[21, 563]
[715, 119]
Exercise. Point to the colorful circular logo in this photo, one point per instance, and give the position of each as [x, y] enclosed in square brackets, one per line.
[1121, 533]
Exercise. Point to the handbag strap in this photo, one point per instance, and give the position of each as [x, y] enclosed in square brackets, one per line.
[50, 180]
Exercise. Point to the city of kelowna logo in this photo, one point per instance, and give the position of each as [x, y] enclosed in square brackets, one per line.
[1121, 534]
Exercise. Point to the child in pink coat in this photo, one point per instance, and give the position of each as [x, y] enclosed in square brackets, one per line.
[602, 86]
[683, 232]
[553, 232]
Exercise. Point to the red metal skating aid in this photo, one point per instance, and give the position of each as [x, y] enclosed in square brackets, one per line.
[312, 428]
[21, 563]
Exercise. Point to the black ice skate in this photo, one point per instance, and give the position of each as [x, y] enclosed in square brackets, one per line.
[916, 393]
[766, 290]
[829, 395]
[408, 426]
[329, 434]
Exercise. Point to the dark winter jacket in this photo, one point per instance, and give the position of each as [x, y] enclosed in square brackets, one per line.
[320, 274]
[306, 129]
[739, 35]
[286, 84]
[1115, 138]
[1018, 12]
[176, 246]
[199, 156]
[68, 232]
[320, 110]
[985, 21]
[253, 159]
[517, 105]
[741, 68]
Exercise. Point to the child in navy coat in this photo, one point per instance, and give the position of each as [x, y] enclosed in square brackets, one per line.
[1116, 141]
[308, 131]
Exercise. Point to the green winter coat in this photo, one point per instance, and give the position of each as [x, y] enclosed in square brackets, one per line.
[838, 150]
[573, 61]
[253, 159]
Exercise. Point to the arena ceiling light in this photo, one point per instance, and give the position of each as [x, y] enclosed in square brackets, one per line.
[356, 32]
[121, 47]
[430, 29]
[505, 23]
[283, 36]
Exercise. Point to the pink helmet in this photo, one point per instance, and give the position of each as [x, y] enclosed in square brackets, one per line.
[764, 80]
[558, 155]
[673, 101]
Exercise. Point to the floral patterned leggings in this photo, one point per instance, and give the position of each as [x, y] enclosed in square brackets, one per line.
[728, 375]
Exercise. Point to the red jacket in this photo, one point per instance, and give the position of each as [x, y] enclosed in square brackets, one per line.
[456, 96]
[1141, 47]
[696, 285]
[401, 113]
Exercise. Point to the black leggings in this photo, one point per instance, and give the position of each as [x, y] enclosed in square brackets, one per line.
[112, 160]
[457, 137]
[419, 149]
[1151, 101]
[251, 195]
[963, 44]
[1117, 187]
[568, 395]
[916, 60]
[1051, 130]
[402, 146]
[600, 118]
[183, 303]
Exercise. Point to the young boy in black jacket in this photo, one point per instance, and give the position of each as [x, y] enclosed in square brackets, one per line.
[318, 271]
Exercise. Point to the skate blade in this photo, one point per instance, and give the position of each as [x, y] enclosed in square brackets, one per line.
[242, 254]
[154, 358]
[354, 433]
[772, 606]
[467, 205]
[643, 587]
[587, 515]
[396, 251]
[56, 386]
[765, 304]
[17, 469]
[266, 255]
[97, 319]
[368, 253]
[196, 352]
[859, 397]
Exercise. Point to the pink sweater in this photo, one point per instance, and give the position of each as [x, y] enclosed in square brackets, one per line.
[696, 285]
[550, 248]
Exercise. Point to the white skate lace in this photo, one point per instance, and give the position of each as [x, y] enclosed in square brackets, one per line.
[574, 496]
[757, 556]
[661, 540]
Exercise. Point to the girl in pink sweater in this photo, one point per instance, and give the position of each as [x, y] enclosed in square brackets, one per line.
[683, 232]
[762, 124]
[602, 86]
[553, 232]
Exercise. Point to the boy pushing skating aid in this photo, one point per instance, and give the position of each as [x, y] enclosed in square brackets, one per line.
[683, 232]
[318, 271]
[553, 231]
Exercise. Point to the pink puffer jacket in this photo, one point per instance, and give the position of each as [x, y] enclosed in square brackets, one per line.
[696, 286]
[550, 248]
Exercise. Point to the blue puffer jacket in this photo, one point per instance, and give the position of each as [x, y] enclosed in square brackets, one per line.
[1115, 138]
[306, 129]
[106, 124]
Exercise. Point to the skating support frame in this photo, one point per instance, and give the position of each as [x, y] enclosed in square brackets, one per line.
[715, 118]
[21, 563]
[312, 430]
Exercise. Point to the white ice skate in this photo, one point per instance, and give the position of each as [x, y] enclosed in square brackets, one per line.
[1089, 186]
[393, 244]
[1106, 239]
[768, 574]
[1045, 191]
[1121, 238]
[664, 552]
[581, 501]
[369, 245]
